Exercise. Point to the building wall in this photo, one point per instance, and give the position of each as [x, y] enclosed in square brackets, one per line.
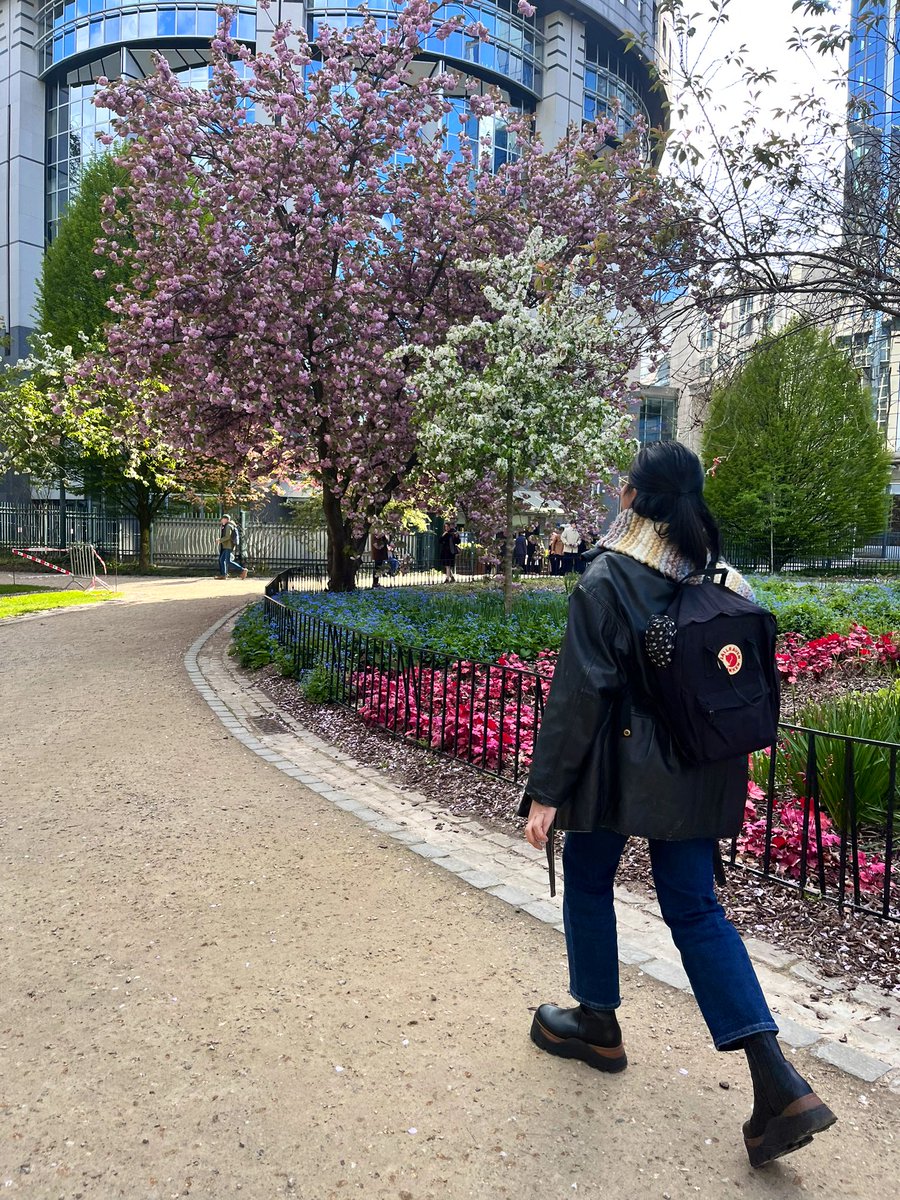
[21, 172]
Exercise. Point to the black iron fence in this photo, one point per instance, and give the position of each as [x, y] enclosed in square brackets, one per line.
[821, 816]
[877, 556]
[485, 714]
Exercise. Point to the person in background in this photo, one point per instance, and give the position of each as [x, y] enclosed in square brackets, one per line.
[605, 769]
[448, 548]
[570, 539]
[380, 556]
[520, 550]
[557, 549]
[534, 553]
[229, 539]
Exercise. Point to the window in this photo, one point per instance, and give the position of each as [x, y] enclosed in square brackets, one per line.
[657, 419]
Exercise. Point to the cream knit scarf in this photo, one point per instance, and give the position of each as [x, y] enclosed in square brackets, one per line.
[640, 538]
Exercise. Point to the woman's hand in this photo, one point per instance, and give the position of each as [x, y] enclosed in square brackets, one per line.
[537, 828]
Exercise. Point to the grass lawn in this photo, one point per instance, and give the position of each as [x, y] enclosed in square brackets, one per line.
[31, 601]
[18, 589]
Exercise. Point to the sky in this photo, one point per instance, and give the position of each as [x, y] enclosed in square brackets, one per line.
[765, 26]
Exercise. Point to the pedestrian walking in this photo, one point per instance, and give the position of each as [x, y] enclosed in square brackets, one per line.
[605, 769]
[520, 550]
[448, 548]
[229, 541]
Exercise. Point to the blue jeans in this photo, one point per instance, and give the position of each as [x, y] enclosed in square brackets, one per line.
[226, 560]
[714, 957]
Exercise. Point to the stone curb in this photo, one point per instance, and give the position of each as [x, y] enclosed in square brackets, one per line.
[499, 866]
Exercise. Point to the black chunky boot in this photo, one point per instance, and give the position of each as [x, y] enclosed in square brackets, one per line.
[786, 1111]
[589, 1034]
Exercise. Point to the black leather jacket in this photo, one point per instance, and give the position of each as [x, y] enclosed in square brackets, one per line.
[601, 758]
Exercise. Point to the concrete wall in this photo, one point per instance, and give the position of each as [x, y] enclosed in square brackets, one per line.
[21, 170]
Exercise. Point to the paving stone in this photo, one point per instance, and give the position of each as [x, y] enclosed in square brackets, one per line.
[632, 955]
[480, 879]
[624, 896]
[511, 895]
[456, 865]
[543, 910]
[667, 972]
[384, 825]
[368, 815]
[820, 983]
[871, 997]
[770, 955]
[428, 851]
[854, 1062]
[795, 1034]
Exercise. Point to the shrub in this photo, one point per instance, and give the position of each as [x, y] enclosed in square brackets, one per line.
[874, 716]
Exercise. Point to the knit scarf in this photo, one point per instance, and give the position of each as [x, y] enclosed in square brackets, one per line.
[640, 538]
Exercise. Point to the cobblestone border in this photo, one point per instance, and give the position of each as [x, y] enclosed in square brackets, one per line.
[853, 1030]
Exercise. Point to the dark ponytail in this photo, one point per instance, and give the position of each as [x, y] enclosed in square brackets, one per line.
[668, 479]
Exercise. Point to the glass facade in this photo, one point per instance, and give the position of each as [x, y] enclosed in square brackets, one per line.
[80, 40]
[515, 51]
[658, 416]
[69, 29]
[610, 87]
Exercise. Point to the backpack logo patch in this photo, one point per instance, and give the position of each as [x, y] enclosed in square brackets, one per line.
[731, 658]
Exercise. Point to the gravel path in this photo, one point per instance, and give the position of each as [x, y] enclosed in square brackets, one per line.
[215, 983]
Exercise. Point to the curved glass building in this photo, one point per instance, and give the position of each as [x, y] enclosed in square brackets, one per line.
[567, 63]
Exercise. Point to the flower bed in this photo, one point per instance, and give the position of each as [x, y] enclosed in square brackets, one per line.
[485, 714]
[792, 815]
[408, 662]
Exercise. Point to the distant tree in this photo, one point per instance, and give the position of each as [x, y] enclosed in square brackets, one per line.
[72, 300]
[56, 428]
[797, 457]
[536, 395]
[87, 429]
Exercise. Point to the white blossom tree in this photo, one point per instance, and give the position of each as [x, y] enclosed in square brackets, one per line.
[537, 395]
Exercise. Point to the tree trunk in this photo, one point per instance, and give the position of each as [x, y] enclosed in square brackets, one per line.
[507, 556]
[344, 550]
[63, 522]
[145, 521]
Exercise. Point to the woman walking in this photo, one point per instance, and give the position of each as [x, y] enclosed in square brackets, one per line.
[605, 769]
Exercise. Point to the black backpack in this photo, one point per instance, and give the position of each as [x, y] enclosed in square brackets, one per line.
[711, 667]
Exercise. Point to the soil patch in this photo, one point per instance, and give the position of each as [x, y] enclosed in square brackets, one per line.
[848, 948]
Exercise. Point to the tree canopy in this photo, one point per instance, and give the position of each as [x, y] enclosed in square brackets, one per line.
[795, 198]
[277, 262]
[72, 299]
[535, 395]
[797, 461]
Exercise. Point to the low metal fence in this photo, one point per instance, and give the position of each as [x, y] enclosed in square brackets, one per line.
[484, 714]
[878, 556]
[807, 829]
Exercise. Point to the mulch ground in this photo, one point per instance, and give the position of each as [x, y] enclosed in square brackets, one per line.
[850, 948]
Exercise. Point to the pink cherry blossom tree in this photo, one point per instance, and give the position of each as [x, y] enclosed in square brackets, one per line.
[308, 214]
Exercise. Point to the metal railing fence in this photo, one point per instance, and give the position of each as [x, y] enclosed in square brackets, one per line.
[488, 715]
[877, 556]
[484, 714]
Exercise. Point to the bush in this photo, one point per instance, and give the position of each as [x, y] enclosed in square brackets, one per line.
[828, 606]
[874, 716]
[319, 685]
[255, 644]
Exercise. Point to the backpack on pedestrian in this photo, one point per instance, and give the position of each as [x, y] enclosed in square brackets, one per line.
[711, 665]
